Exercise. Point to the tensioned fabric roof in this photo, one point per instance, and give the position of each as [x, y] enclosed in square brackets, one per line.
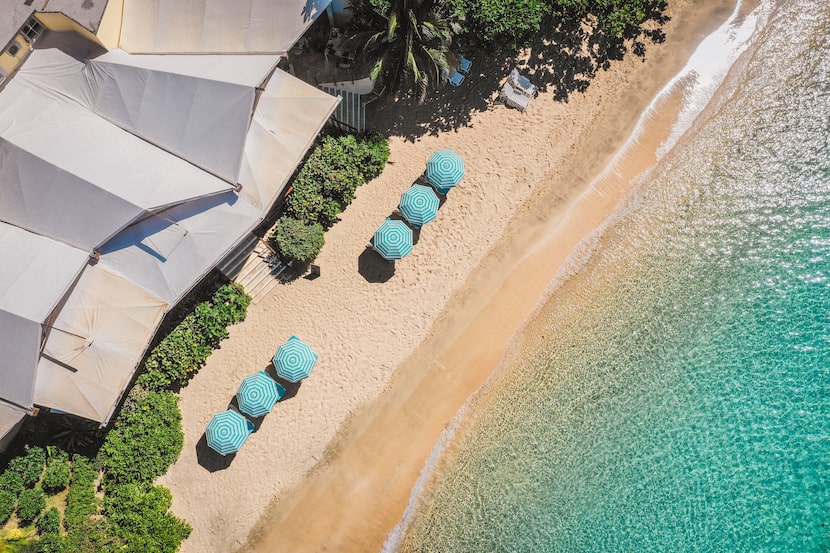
[95, 344]
[196, 107]
[216, 26]
[119, 154]
[279, 135]
[35, 274]
[10, 417]
[70, 174]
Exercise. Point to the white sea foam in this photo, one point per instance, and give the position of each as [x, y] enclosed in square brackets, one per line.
[701, 77]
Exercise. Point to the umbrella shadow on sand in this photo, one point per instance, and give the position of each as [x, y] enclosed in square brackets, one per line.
[291, 388]
[373, 267]
[210, 459]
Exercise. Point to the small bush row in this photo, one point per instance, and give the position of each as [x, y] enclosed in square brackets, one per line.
[181, 354]
[57, 473]
[81, 502]
[145, 439]
[322, 189]
[140, 515]
[30, 466]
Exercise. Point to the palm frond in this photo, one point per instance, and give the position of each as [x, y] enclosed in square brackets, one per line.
[392, 26]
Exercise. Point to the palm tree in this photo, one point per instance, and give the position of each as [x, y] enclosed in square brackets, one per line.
[410, 54]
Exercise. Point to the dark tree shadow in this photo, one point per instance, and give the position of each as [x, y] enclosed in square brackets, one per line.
[373, 267]
[564, 59]
[210, 459]
[567, 58]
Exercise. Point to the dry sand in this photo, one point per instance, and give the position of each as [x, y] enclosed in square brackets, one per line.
[332, 468]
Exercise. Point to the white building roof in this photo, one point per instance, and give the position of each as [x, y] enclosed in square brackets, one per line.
[216, 26]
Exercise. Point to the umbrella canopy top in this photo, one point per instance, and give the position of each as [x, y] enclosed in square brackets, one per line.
[258, 393]
[444, 169]
[294, 360]
[419, 205]
[227, 431]
[393, 240]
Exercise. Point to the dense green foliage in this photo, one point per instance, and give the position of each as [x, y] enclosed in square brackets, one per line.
[368, 153]
[183, 352]
[81, 503]
[11, 481]
[57, 473]
[49, 521]
[297, 241]
[503, 20]
[30, 504]
[141, 518]
[93, 537]
[30, 466]
[323, 187]
[145, 440]
[516, 21]
[7, 500]
[50, 542]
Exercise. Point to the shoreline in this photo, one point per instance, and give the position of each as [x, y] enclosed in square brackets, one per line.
[333, 467]
[339, 507]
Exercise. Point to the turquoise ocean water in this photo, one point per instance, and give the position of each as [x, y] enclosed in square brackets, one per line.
[674, 394]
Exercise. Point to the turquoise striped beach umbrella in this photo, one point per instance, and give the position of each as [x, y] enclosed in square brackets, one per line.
[419, 205]
[444, 169]
[393, 239]
[227, 431]
[294, 360]
[258, 393]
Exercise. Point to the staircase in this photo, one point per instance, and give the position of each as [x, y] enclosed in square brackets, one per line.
[350, 113]
[255, 266]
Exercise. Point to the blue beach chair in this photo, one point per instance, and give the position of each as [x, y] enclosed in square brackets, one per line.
[464, 64]
[456, 79]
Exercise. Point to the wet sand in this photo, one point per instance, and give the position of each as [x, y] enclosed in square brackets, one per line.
[332, 468]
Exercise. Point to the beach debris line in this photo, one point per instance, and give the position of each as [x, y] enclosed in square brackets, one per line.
[392, 240]
[294, 360]
[419, 205]
[445, 169]
[227, 431]
[258, 393]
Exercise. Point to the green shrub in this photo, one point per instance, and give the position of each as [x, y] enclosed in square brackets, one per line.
[500, 21]
[57, 474]
[145, 440]
[297, 241]
[11, 481]
[30, 466]
[305, 204]
[341, 186]
[81, 503]
[140, 516]
[334, 170]
[369, 152]
[29, 505]
[49, 522]
[50, 543]
[181, 354]
[7, 500]
[93, 537]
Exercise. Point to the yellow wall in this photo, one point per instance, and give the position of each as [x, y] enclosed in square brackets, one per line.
[109, 31]
[8, 62]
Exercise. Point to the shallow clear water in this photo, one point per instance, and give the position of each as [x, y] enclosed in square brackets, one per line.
[675, 394]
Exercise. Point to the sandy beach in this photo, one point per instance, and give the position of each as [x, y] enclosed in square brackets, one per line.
[332, 467]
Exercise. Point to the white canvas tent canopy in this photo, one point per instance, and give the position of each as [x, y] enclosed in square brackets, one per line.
[216, 26]
[35, 275]
[137, 158]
